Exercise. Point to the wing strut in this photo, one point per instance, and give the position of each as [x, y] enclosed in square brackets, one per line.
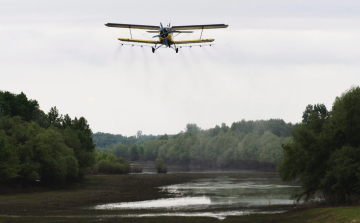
[201, 32]
[130, 32]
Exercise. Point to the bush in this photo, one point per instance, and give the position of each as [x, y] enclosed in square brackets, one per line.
[105, 166]
[160, 165]
[126, 168]
[108, 167]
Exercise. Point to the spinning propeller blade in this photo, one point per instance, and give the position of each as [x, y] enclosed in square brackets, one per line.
[166, 40]
[163, 33]
[162, 28]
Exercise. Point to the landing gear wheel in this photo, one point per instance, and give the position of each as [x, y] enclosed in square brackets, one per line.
[153, 49]
[177, 50]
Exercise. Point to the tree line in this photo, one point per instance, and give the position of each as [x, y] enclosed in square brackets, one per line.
[246, 145]
[38, 146]
[324, 151]
[104, 140]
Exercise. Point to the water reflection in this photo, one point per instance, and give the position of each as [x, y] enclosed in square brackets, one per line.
[221, 192]
[219, 215]
[167, 203]
[244, 191]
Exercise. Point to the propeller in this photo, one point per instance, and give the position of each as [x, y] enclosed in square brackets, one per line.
[164, 33]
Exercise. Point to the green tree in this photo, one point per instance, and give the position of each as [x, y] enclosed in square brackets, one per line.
[191, 127]
[215, 131]
[164, 137]
[324, 151]
[342, 178]
[9, 162]
[39, 146]
[54, 118]
[224, 127]
[18, 105]
[305, 157]
[270, 149]
[134, 155]
[85, 156]
[248, 147]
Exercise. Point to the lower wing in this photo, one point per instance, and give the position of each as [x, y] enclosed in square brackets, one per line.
[194, 41]
[138, 40]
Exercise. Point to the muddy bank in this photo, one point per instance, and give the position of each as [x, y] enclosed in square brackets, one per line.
[92, 190]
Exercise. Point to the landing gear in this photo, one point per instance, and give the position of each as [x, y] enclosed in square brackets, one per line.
[177, 50]
[153, 49]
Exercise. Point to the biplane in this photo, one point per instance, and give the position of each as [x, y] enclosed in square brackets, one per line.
[165, 34]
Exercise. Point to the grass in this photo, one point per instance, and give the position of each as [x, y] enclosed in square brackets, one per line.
[45, 205]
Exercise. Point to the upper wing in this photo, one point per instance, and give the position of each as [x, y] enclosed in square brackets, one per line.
[194, 41]
[138, 40]
[213, 26]
[116, 25]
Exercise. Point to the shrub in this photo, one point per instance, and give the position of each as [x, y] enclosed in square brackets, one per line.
[108, 167]
[160, 165]
[105, 166]
[126, 168]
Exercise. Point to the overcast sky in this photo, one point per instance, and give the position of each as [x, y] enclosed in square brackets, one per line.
[275, 58]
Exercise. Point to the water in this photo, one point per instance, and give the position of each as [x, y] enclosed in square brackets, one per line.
[237, 193]
[219, 215]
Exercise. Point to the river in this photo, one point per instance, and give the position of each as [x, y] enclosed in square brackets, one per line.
[229, 193]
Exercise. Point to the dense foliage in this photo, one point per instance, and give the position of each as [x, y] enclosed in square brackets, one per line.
[110, 164]
[18, 105]
[324, 153]
[35, 146]
[247, 144]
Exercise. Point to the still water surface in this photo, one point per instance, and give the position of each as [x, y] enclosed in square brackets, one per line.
[239, 192]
